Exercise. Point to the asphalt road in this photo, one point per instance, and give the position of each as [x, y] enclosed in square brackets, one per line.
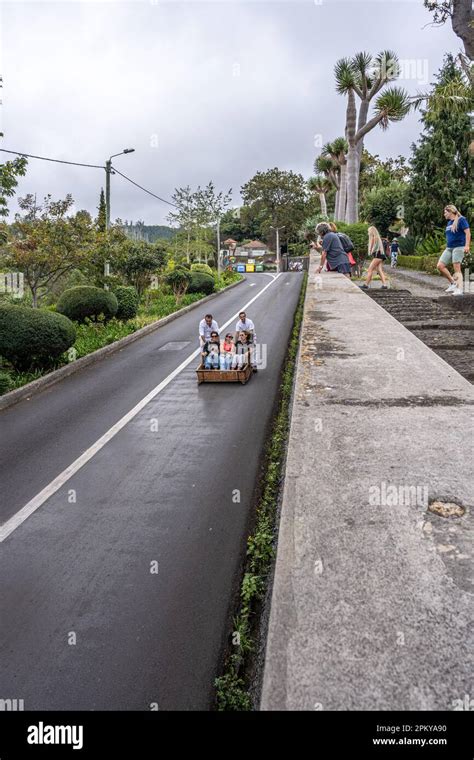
[116, 591]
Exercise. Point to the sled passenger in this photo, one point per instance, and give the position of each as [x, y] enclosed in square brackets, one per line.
[227, 351]
[211, 351]
[242, 348]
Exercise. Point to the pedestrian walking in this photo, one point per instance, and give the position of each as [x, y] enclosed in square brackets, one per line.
[376, 251]
[394, 249]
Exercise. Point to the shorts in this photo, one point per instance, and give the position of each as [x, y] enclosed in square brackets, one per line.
[452, 255]
[342, 268]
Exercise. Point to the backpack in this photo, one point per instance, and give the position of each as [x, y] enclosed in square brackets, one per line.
[347, 243]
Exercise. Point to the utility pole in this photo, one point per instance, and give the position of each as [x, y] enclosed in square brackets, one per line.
[218, 246]
[108, 172]
[277, 230]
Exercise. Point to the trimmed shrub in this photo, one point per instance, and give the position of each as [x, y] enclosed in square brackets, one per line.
[429, 264]
[5, 382]
[128, 302]
[201, 283]
[86, 301]
[202, 268]
[410, 262]
[419, 263]
[33, 337]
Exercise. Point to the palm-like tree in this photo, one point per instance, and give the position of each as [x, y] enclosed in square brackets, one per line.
[337, 151]
[328, 166]
[320, 185]
[365, 77]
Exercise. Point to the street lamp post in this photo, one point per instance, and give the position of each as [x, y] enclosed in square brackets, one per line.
[218, 246]
[108, 172]
[277, 230]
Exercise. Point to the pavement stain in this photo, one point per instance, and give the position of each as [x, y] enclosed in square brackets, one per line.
[448, 527]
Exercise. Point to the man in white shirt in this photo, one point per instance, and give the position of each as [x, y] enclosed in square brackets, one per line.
[206, 326]
[247, 326]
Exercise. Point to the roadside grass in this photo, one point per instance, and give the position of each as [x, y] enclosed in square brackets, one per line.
[233, 689]
[94, 335]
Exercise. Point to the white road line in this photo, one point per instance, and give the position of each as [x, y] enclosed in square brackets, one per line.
[37, 501]
[252, 285]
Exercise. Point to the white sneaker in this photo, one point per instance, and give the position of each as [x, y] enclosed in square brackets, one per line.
[451, 288]
[457, 292]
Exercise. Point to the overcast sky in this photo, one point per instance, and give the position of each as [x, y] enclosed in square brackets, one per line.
[201, 90]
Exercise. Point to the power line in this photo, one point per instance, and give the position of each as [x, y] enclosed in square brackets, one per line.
[55, 160]
[144, 188]
[91, 166]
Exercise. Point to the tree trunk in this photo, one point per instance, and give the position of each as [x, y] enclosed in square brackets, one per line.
[363, 113]
[343, 193]
[352, 161]
[352, 185]
[461, 20]
[337, 213]
[322, 200]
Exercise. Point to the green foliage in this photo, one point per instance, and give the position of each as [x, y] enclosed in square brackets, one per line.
[91, 336]
[281, 198]
[432, 245]
[298, 249]
[47, 242]
[9, 173]
[150, 233]
[5, 382]
[101, 221]
[128, 302]
[87, 302]
[441, 166]
[201, 283]
[202, 268]
[408, 245]
[32, 337]
[138, 261]
[359, 234]
[179, 280]
[419, 263]
[384, 205]
[227, 278]
[231, 693]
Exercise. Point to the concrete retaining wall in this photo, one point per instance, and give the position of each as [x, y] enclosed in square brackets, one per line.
[372, 597]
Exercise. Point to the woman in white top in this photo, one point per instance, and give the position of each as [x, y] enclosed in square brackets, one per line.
[378, 257]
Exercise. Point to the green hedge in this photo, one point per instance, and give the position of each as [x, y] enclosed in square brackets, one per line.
[202, 268]
[86, 301]
[128, 302]
[201, 283]
[419, 263]
[33, 337]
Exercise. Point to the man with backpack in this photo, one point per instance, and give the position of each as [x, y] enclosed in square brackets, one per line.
[347, 243]
[332, 250]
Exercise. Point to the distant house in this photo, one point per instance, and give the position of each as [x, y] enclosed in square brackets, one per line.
[254, 249]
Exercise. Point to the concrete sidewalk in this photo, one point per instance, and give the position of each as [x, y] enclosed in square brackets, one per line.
[372, 597]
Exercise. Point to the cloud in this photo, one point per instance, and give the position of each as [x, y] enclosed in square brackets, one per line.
[200, 90]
